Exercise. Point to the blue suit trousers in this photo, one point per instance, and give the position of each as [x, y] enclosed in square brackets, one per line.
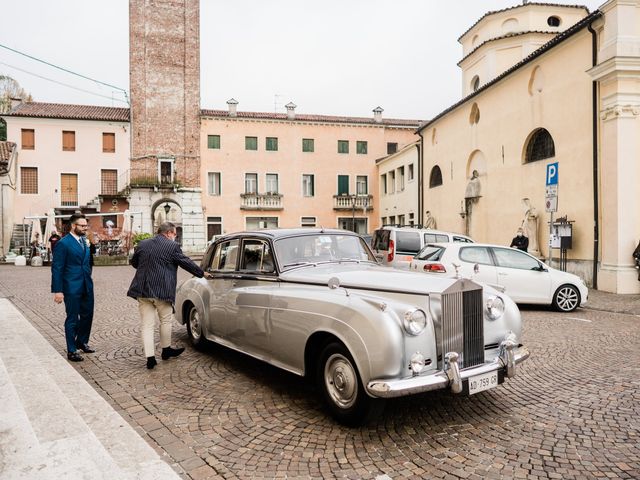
[77, 326]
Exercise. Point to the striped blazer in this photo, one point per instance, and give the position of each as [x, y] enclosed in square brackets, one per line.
[156, 261]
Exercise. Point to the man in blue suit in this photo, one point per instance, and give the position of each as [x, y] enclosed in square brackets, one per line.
[71, 282]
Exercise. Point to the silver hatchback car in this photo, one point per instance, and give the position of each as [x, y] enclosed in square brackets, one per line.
[316, 303]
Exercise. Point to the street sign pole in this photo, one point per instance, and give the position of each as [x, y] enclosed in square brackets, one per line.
[551, 200]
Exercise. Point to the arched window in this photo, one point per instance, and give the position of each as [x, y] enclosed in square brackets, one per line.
[553, 21]
[475, 83]
[540, 146]
[435, 179]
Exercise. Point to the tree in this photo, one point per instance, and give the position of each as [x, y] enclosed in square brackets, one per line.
[9, 88]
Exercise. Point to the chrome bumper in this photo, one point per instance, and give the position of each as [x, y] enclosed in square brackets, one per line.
[508, 357]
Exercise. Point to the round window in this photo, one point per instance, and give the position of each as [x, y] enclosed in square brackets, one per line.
[553, 21]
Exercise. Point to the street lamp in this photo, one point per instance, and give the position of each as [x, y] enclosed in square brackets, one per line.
[167, 208]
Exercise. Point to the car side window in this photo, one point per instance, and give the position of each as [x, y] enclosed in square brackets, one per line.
[511, 258]
[408, 242]
[256, 257]
[461, 239]
[380, 239]
[475, 255]
[224, 258]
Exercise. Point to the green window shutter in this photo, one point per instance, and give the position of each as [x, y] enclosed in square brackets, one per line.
[343, 184]
[307, 145]
[361, 147]
[213, 141]
[272, 144]
[343, 146]
[251, 143]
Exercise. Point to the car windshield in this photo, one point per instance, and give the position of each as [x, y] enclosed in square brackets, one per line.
[430, 252]
[322, 247]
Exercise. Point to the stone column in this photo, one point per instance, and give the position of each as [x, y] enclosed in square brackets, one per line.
[618, 74]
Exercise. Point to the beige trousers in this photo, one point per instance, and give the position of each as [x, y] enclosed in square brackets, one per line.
[150, 308]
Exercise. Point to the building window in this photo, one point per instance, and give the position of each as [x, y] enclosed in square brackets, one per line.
[383, 183]
[401, 179]
[29, 180]
[361, 185]
[308, 222]
[257, 223]
[165, 171]
[343, 146]
[391, 148]
[540, 146]
[28, 139]
[435, 178]
[307, 145]
[411, 220]
[251, 183]
[401, 220]
[251, 143]
[213, 141]
[109, 182]
[392, 181]
[214, 227]
[307, 186]
[361, 147]
[109, 142]
[343, 184]
[214, 183]
[68, 189]
[68, 141]
[410, 173]
[272, 183]
[553, 21]
[271, 144]
[475, 83]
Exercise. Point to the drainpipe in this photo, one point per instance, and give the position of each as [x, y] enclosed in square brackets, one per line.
[594, 106]
[420, 148]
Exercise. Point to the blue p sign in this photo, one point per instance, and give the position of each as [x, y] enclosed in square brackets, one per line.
[552, 174]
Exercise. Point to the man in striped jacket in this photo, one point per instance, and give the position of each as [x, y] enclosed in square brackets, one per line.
[156, 261]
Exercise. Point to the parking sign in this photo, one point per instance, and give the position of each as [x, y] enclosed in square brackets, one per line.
[552, 174]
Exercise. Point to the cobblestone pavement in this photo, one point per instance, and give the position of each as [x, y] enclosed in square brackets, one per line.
[573, 411]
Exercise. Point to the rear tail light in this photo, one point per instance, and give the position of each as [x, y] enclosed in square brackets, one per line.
[435, 268]
[391, 251]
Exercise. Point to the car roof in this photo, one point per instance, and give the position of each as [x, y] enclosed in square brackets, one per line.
[423, 230]
[276, 233]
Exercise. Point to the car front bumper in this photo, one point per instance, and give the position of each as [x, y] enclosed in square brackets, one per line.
[509, 356]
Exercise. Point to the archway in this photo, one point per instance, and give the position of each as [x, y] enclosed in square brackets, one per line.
[167, 210]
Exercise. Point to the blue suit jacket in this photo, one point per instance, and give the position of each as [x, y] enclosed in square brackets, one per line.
[156, 261]
[71, 268]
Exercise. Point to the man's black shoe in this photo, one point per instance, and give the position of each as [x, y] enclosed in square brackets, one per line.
[74, 356]
[86, 348]
[169, 352]
[151, 362]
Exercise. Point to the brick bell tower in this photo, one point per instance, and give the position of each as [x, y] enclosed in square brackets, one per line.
[164, 62]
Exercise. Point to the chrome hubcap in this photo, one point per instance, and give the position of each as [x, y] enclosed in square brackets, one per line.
[567, 298]
[341, 380]
[194, 323]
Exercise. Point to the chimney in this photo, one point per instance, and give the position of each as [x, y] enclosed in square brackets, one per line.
[233, 105]
[291, 110]
[377, 114]
[15, 102]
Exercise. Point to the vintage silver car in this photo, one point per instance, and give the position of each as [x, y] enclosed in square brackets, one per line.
[315, 302]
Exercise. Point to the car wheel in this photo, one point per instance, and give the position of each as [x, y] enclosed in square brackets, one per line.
[342, 388]
[194, 327]
[566, 298]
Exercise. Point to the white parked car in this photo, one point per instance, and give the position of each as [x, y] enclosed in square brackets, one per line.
[520, 275]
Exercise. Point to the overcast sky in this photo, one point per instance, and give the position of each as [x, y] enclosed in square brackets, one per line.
[342, 57]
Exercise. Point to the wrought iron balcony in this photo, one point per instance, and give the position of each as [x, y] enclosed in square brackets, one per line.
[261, 201]
[353, 202]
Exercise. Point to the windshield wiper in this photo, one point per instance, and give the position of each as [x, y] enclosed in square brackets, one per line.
[297, 264]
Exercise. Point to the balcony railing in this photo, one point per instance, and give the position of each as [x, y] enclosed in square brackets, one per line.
[261, 201]
[353, 202]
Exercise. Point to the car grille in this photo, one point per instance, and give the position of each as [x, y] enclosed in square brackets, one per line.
[462, 325]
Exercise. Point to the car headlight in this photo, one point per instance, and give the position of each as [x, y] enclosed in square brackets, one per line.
[415, 321]
[495, 307]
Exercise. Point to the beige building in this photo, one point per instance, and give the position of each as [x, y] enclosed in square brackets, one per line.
[399, 186]
[574, 101]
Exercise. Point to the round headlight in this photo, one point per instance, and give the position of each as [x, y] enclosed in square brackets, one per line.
[495, 307]
[415, 321]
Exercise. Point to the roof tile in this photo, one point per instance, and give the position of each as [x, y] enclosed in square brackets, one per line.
[71, 112]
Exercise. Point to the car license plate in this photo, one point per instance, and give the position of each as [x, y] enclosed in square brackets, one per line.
[483, 382]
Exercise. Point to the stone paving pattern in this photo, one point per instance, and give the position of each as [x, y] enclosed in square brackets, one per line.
[573, 411]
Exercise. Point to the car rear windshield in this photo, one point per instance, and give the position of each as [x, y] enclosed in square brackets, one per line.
[407, 242]
[381, 240]
[430, 252]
